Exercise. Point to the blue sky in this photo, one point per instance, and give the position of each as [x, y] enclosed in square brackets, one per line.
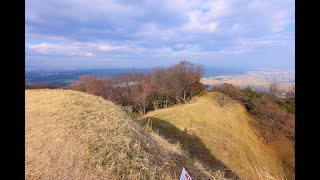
[148, 33]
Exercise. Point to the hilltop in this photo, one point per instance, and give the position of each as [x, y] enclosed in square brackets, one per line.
[74, 135]
[210, 132]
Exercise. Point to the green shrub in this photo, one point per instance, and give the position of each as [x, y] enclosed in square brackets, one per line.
[250, 93]
[288, 105]
[203, 92]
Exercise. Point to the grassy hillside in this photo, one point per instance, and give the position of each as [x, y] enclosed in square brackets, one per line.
[217, 135]
[73, 135]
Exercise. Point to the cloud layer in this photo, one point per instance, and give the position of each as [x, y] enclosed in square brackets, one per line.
[133, 32]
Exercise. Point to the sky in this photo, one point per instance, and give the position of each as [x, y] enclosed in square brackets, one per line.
[74, 34]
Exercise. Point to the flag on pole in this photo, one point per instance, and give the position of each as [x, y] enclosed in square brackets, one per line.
[185, 175]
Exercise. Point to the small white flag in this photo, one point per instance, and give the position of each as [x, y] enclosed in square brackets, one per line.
[185, 175]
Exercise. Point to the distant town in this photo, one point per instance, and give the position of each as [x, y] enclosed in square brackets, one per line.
[259, 79]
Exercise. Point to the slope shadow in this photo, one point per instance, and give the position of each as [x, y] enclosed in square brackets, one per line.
[192, 144]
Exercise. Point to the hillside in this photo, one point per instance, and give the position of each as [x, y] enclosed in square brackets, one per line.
[219, 135]
[73, 135]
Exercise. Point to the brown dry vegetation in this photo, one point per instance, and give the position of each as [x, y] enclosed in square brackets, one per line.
[229, 133]
[73, 135]
[142, 92]
[274, 118]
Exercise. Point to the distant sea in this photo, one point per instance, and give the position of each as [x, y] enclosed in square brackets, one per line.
[65, 77]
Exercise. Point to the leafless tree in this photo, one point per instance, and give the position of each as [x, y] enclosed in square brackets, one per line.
[89, 84]
[185, 74]
[292, 91]
[140, 93]
[274, 89]
[161, 87]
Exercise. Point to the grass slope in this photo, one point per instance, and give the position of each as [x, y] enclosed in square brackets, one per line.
[219, 136]
[73, 135]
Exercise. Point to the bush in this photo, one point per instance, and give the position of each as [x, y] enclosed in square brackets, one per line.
[203, 92]
[222, 99]
[288, 105]
[252, 104]
[230, 90]
[250, 93]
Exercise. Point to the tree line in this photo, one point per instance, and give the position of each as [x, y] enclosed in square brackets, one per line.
[41, 86]
[141, 92]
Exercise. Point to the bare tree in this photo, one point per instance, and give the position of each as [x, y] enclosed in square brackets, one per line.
[292, 91]
[196, 88]
[274, 89]
[162, 87]
[161, 80]
[261, 89]
[185, 75]
[89, 84]
[140, 94]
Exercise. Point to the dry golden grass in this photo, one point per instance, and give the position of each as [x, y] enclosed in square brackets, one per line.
[73, 135]
[225, 131]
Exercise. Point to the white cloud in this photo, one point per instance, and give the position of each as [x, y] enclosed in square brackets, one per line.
[42, 48]
[235, 51]
[151, 31]
[238, 28]
[121, 48]
[106, 48]
[50, 48]
[263, 42]
[88, 54]
[196, 23]
[123, 29]
[72, 49]
[82, 49]
[280, 20]
[123, 19]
